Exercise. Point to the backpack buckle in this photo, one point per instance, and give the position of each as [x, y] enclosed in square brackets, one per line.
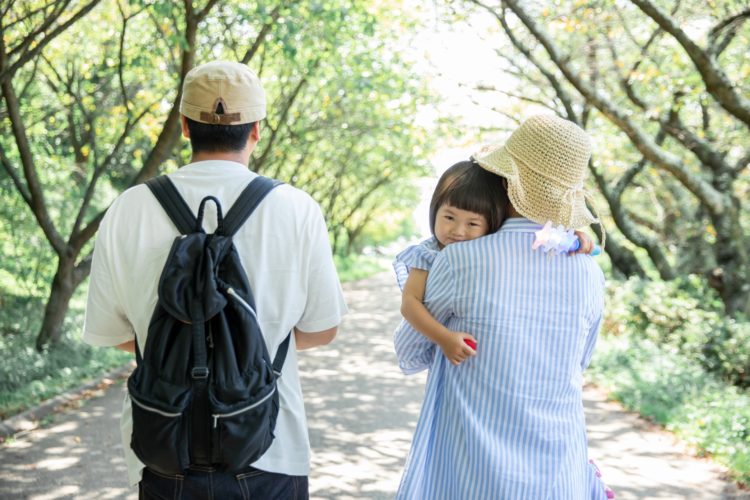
[199, 372]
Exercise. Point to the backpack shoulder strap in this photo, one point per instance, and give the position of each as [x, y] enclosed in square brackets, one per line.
[165, 191]
[248, 200]
[278, 360]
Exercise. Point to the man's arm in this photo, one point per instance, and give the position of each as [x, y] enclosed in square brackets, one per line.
[128, 346]
[308, 340]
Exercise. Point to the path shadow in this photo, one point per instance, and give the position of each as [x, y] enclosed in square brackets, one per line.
[78, 456]
[361, 409]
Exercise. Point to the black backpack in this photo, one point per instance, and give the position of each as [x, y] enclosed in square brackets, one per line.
[204, 389]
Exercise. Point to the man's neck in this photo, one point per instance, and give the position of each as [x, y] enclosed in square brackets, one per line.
[242, 157]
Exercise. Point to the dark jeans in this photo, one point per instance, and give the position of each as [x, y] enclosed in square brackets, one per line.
[209, 484]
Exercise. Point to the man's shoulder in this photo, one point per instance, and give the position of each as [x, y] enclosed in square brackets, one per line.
[129, 200]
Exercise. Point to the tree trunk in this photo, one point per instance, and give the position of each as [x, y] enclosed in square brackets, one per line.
[623, 260]
[732, 275]
[58, 302]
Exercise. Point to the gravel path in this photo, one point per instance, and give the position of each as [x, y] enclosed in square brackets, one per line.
[361, 413]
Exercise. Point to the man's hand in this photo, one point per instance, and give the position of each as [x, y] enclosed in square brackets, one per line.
[456, 349]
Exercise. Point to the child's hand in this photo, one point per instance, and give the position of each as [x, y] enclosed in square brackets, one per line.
[455, 349]
[586, 243]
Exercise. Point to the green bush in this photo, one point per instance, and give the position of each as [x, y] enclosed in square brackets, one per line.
[667, 387]
[686, 316]
[28, 377]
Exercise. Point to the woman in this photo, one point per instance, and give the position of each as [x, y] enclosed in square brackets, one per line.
[508, 423]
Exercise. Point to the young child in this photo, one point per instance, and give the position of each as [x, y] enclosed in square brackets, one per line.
[468, 202]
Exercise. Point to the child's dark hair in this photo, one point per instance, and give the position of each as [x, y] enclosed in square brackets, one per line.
[467, 186]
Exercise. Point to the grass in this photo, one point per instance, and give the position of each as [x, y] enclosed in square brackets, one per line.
[679, 394]
[28, 377]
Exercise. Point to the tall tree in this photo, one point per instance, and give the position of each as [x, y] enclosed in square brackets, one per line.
[663, 85]
[82, 122]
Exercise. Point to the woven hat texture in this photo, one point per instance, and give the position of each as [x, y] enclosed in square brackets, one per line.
[545, 161]
[231, 84]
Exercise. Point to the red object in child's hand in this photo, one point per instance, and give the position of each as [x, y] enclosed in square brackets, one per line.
[471, 343]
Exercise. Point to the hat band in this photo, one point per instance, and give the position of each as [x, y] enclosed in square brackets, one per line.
[219, 119]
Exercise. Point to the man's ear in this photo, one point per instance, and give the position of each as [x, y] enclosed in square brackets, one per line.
[255, 131]
[185, 129]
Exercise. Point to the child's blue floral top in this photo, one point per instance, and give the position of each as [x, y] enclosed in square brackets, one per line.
[415, 257]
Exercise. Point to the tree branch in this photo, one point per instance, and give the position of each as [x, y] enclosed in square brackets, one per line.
[257, 164]
[35, 191]
[250, 53]
[711, 197]
[630, 231]
[14, 176]
[716, 81]
[561, 93]
[716, 46]
[6, 73]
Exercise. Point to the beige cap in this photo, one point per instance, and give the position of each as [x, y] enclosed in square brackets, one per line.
[545, 162]
[231, 84]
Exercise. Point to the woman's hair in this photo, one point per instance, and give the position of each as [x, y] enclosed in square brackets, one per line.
[467, 186]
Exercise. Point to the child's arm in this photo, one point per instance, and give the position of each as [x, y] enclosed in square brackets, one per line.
[414, 311]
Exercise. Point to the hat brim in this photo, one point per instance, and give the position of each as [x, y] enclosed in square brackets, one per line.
[531, 194]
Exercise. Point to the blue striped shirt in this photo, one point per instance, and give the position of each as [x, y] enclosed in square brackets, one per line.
[508, 423]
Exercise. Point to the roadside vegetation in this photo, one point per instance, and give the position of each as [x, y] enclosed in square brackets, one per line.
[668, 352]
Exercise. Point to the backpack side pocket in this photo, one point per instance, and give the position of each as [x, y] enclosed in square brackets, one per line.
[160, 437]
[241, 435]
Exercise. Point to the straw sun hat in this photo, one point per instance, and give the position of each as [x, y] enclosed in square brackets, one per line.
[545, 162]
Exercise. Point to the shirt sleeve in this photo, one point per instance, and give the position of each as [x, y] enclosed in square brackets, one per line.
[105, 322]
[325, 304]
[419, 256]
[598, 315]
[414, 351]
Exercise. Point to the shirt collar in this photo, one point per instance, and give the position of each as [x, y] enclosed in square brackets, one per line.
[519, 225]
[213, 165]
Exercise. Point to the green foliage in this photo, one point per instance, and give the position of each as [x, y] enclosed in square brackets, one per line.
[677, 392]
[686, 317]
[357, 267]
[99, 115]
[668, 351]
[28, 377]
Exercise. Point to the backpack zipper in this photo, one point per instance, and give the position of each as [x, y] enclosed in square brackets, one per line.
[217, 416]
[154, 410]
[210, 337]
[242, 302]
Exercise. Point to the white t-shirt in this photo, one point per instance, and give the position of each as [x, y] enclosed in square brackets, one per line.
[285, 250]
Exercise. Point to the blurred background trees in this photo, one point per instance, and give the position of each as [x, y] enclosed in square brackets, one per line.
[90, 107]
[663, 87]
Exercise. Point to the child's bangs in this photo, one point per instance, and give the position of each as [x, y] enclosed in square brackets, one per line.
[471, 202]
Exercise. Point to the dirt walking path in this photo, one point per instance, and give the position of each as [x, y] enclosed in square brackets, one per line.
[362, 412]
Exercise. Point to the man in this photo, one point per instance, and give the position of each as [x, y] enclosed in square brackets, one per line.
[508, 422]
[284, 248]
